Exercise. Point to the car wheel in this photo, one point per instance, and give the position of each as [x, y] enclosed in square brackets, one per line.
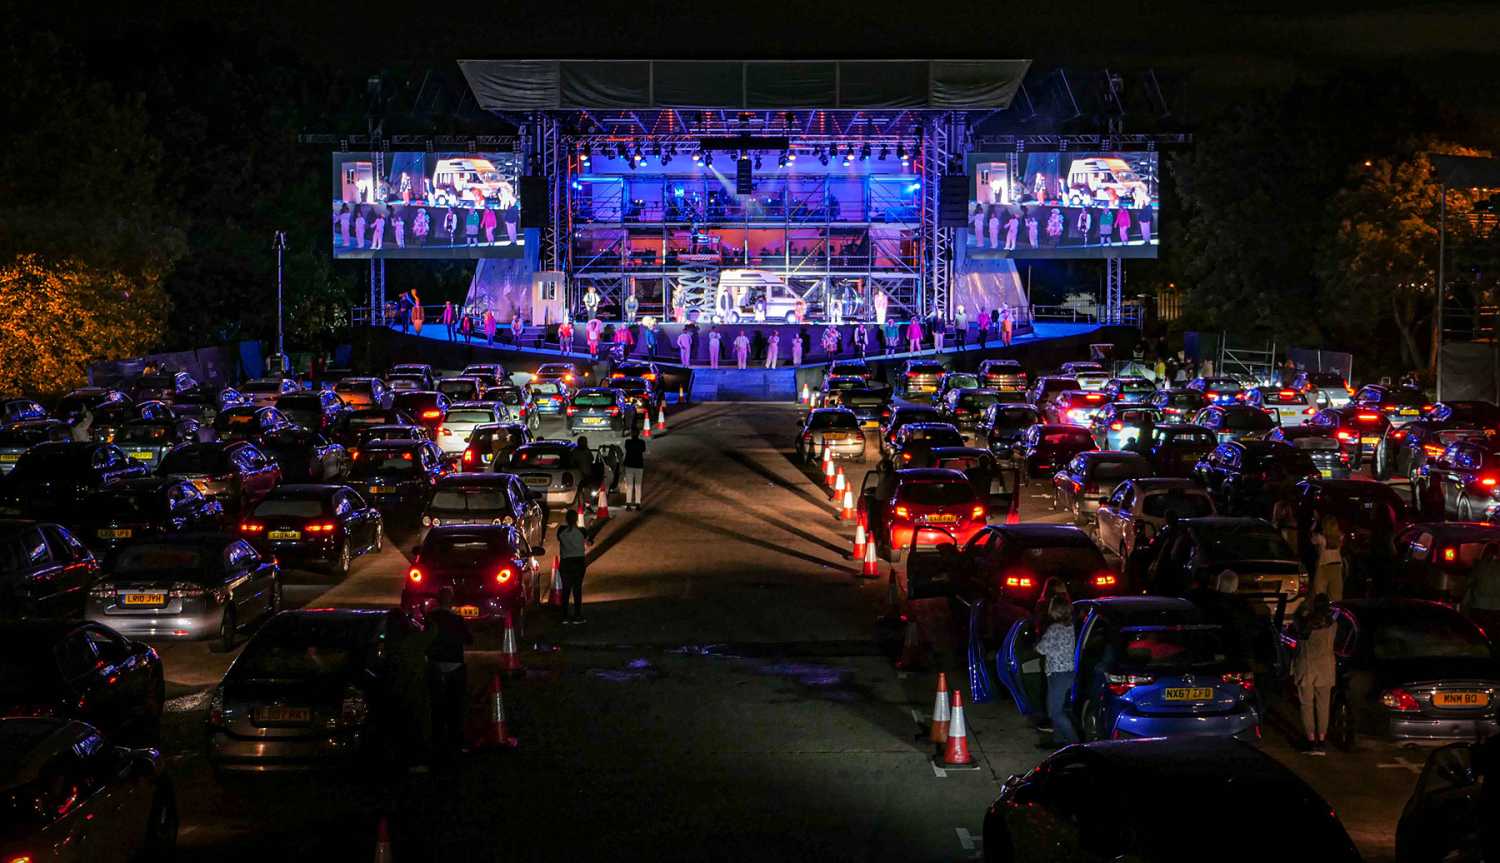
[1089, 723]
[161, 830]
[791, 318]
[1465, 509]
[228, 630]
[1341, 725]
[1382, 469]
[344, 561]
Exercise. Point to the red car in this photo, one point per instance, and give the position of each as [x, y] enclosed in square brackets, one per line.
[428, 407]
[1045, 448]
[897, 503]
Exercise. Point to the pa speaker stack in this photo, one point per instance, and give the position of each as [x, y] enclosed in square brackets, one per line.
[742, 184]
[534, 202]
[953, 201]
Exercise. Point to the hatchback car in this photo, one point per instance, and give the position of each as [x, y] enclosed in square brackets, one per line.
[304, 693]
[72, 669]
[315, 411]
[126, 511]
[326, 525]
[1177, 449]
[1046, 448]
[249, 423]
[1118, 425]
[1235, 422]
[1007, 565]
[1399, 405]
[1463, 482]
[428, 407]
[188, 586]
[1089, 479]
[837, 429]
[601, 410]
[351, 424]
[899, 504]
[914, 441]
[363, 393]
[551, 396]
[19, 437]
[950, 381]
[1178, 405]
[305, 455]
[70, 407]
[921, 377]
[1325, 389]
[1287, 406]
[492, 374]
[868, 403]
[1001, 427]
[1404, 450]
[1003, 376]
[565, 373]
[1140, 508]
[1244, 476]
[461, 389]
[1130, 390]
[1219, 390]
[1326, 454]
[965, 407]
[558, 470]
[492, 444]
[487, 498]
[237, 473]
[1073, 407]
[899, 416]
[643, 394]
[1191, 552]
[146, 441]
[518, 402]
[492, 569]
[264, 392]
[51, 480]
[397, 476]
[462, 419]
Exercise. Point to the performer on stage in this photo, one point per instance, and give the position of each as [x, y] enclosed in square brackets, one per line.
[685, 348]
[713, 349]
[741, 349]
[773, 350]
[881, 302]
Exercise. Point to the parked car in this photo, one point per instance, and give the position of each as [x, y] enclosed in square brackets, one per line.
[1358, 430]
[1140, 508]
[487, 498]
[1244, 476]
[461, 389]
[491, 445]
[51, 480]
[1073, 407]
[1006, 376]
[1046, 448]
[1089, 479]
[921, 377]
[147, 441]
[1179, 405]
[1005, 566]
[205, 403]
[349, 426]
[1190, 552]
[359, 393]
[21, 436]
[70, 669]
[1288, 406]
[1235, 422]
[559, 470]
[899, 416]
[397, 476]
[264, 392]
[565, 373]
[249, 423]
[518, 402]
[600, 410]
[1451, 814]
[1398, 404]
[47, 567]
[868, 403]
[635, 369]
[950, 381]
[316, 411]
[110, 419]
[166, 387]
[835, 428]
[235, 473]
[492, 374]
[1403, 451]
[321, 524]
[1434, 559]
[429, 408]
[20, 410]
[493, 571]
[1177, 449]
[1155, 800]
[1219, 390]
[965, 407]
[851, 368]
[1326, 454]
[305, 456]
[70, 407]
[913, 441]
[1118, 425]
[1326, 389]
[643, 394]
[130, 510]
[1462, 482]
[1130, 390]
[898, 506]
[1369, 513]
[462, 419]
[420, 370]
[551, 396]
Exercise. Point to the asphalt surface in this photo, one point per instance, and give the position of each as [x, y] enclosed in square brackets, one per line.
[727, 699]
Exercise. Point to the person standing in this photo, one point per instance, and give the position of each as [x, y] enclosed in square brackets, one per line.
[1143, 221]
[572, 545]
[591, 331]
[447, 676]
[1082, 226]
[343, 220]
[565, 338]
[1056, 647]
[685, 348]
[713, 348]
[796, 349]
[961, 327]
[359, 229]
[984, 327]
[377, 234]
[939, 332]
[914, 336]
[448, 320]
[471, 227]
[1007, 323]
[1328, 539]
[1031, 226]
[830, 341]
[591, 301]
[450, 226]
[741, 349]
[1314, 669]
[489, 222]
[1284, 519]
[489, 327]
[417, 317]
[635, 469]
[773, 350]
[516, 329]
[466, 326]
[398, 225]
[632, 305]
[420, 227]
[862, 340]
[625, 340]
[648, 336]
[1012, 225]
[1122, 224]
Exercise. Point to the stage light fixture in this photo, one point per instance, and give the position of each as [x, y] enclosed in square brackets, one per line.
[822, 157]
[780, 161]
[864, 153]
[757, 161]
[621, 151]
[708, 158]
[791, 156]
[901, 152]
[697, 157]
[885, 152]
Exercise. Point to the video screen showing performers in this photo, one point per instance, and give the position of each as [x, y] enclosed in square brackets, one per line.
[1063, 205]
[426, 205]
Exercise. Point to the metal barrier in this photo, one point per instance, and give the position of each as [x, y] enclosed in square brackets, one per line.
[1061, 313]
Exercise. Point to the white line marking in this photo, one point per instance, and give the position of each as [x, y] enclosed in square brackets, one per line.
[938, 771]
[965, 838]
[901, 675]
[916, 717]
[1400, 764]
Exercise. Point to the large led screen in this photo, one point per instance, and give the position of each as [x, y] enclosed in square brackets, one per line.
[1063, 205]
[426, 205]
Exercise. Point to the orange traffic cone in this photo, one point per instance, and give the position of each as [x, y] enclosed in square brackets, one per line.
[859, 542]
[827, 468]
[646, 427]
[913, 655]
[583, 514]
[661, 419]
[383, 842]
[871, 567]
[956, 754]
[839, 481]
[510, 657]
[846, 513]
[557, 596]
[601, 509]
[806, 397]
[495, 733]
[938, 733]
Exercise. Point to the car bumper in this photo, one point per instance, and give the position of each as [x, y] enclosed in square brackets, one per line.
[1127, 725]
[258, 754]
[305, 549]
[932, 535]
[843, 449]
[165, 627]
[614, 427]
[1431, 728]
[489, 609]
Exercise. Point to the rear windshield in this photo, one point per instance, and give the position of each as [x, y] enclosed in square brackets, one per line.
[456, 387]
[1177, 503]
[936, 436]
[1223, 385]
[594, 400]
[362, 388]
[155, 558]
[1064, 561]
[127, 502]
[1116, 470]
[540, 458]
[1184, 400]
[978, 401]
[545, 388]
[1059, 437]
[856, 399]
[1014, 418]
[466, 550]
[936, 493]
[300, 649]
[26, 436]
[1249, 420]
[417, 400]
[470, 416]
[833, 420]
[479, 499]
[488, 438]
[291, 507]
[373, 462]
[262, 387]
[505, 396]
[920, 415]
[193, 459]
[1171, 647]
[955, 382]
[1428, 636]
[143, 434]
[1245, 543]
[1326, 379]
[1137, 386]
[1195, 437]
[299, 403]
[370, 419]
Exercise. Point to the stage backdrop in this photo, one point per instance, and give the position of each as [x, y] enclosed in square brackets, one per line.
[1062, 205]
[426, 205]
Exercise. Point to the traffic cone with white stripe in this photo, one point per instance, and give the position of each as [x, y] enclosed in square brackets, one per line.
[495, 732]
[827, 467]
[661, 419]
[646, 426]
[956, 754]
[941, 715]
[382, 842]
[846, 512]
[859, 542]
[806, 397]
[871, 565]
[583, 513]
[557, 595]
[839, 481]
[510, 656]
[601, 509]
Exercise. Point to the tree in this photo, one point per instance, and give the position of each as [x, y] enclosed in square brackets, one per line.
[58, 316]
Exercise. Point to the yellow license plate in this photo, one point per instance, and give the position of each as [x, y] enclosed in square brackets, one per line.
[145, 599]
[285, 534]
[382, 489]
[1186, 693]
[1325, 472]
[143, 456]
[1408, 412]
[1369, 441]
[115, 533]
[10, 457]
[468, 612]
[594, 421]
[1460, 699]
[941, 519]
[282, 714]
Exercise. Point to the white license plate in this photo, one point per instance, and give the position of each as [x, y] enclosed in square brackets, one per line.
[282, 714]
[284, 534]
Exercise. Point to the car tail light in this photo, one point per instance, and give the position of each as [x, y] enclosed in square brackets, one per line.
[406, 456]
[1369, 418]
[572, 410]
[353, 709]
[1246, 679]
[1288, 394]
[216, 708]
[1213, 394]
[1400, 700]
[1119, 684]
[980, 512]
[414, 575]
[1239, 396]
[1346, 436]
[1022, 581]
[321, 527]
[1397, 434]
[1116, 426]
[906, 456]
[431, 414]
[354, 454]
[1450, 554]
[1388, 408]
[1487, 481]
[1309, 412]
[1105, 581]
[903, 512]
[1348, 389]
[614, 411]
[469, 455]
[251, 527]
[504, 576]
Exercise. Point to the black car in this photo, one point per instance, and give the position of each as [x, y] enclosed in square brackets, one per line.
[1178, 405]
[166, 387]
[1327, 456]
[965, 407]
[51, 479]
[1005, 376]
[44, 568]
[1006, 566]
[1235, 422]
[641, 392]
[461, 389]
[1403, 451]
[1451, 813]
[1047, 386]
[71, 406]
[1190, 552]
[487, 498]
[305, 455]
[72, 669]
[1045, 448]
[1359, 430]
[111, 418]
[868, 403]
[235, 473]
[517, 400]
[1464, 481]
[428, 407]
[633, 369]
[601, 410]
[1177, 449]
[1434, 560]
[205, 403]
[72, 792]
[146, 440]
[492, 443]
[899, 416]
[1163, 800]
[1002, 425]
[913, 441]
[126, 511]
[1244, 476]
[951, 381]
[1370, 514]
[349, 426]
[22, 436]
[316, 411]
[921, 377]
[397, 476]
[20, 410]
[491, 568]
[1398, 404]
[249, 423]
[328, 525]
[1409, 670]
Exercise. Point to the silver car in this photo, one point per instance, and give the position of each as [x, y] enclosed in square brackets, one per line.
[463, 418]
[557, 470]
[192, 586]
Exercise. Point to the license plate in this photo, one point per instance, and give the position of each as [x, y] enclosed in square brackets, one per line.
[1460, 699]
[115, 533]
[282, 714]
[1325, 472]
[1186, 693]
[285, 534]
[468, 612]
[9, 457]
[201, 485]
[538, 482]
[940, 519]
[594, 421]
[1408, 412]
[143, 456]
[1369, 441]
[382, 489]
[145, 599]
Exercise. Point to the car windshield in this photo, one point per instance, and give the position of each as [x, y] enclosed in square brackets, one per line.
[505, 396]
[294, 507]
[470, 416]
[1196, 437]
[158, 558]
[1184, 400]
[385, 462]
[469, 498]
[456, 388]
[957, 382]
[1178, 504]
[1283, 397]
[376, 418]
[594, 400]
[543, 458]
[1243, 543]
[1136, 386]
[1061, 437]
[194, 459]
[302, 648]
[1403, 397]
[1222, 385]
[1248, 420]
[466, 551]
[357, 389]
[936, 436]
[1014, 418]
[155, 382]
[977, 401]
[1170, 647]
[293, 402]
[918, 415]
[833, 420]
[1114, 470]
[1063, 561]
[1428, 635]
[146, 434]
[863, 399]
[490, 439]
[1136, 417]
[936, 493]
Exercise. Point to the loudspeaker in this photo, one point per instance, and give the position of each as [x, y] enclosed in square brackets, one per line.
[534, 202]
[742, 185]
[953, 201]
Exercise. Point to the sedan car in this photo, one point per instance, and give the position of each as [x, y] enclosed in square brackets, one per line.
[326, 525]
[71, 669]
[1178, 405]
[565, 373]
[920, 377]
[1325, 389]
[551, 397]
[1219, 390]
[249, 423]
[1244, 476]
[461, 389]
[1005, 376]
[363, 393]
[305, 455]
[167, 387]
[20, 410]
[1434, 560]
[1160, 801]
[46, 568]
[147, 441]
[490, 445]
[1073, 407]
[1191, 552]
[1235, 422]
[428, 407]
[71, 406]
[129, 510]
[350, 425]
[600, 410]
[965, 407]
[914, 441]
[236, 473]
[188, 586]
[1287, 406]
[837, 429]
[19, 437]
[1130, 390]
[487, 498]
[264, 392]
[304, 693]
[462, 419]
[1005, 566]
[1463, 482]
[1002, 426]
[1404, 450]
[1045, 448]
[1410, 670]
[493, 571]
[1118, 425]
[1089, 479]
[397, 475]
[1140, 508]
[1398, 404]
[492, 374]
[1327, 456]
[72, 794]
[51, 480]
[559, 470]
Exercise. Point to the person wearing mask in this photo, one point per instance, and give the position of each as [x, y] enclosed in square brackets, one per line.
[1314, 669]
[572, 545]
[447, 676]
[773, 350]
[635, 468]
[1056, 647]
[1481, 602]
[1328, 539]
[713, 347]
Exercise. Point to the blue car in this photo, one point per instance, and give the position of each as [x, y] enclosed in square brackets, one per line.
[1119, 424]
[1148, 666]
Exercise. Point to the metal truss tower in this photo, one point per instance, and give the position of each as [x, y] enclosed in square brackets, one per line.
[941, 140]
[1114, 289]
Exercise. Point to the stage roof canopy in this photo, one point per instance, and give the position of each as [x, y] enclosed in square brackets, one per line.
[754, 85]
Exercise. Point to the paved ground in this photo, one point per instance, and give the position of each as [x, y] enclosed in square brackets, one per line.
[726, 700]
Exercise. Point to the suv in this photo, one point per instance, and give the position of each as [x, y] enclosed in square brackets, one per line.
[1325, 389]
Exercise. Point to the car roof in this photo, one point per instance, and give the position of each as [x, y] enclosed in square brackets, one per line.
[28, 744]
[394, 443]
[303, 490]
[553, 443]
[956, 451]
[1164, 483]
[929, 425]
[481, 530]
[1134, 604]
[141, 483]
[1187, 756]
[1112, 455]
[472, 405]
[835, 410]
[1053, 534]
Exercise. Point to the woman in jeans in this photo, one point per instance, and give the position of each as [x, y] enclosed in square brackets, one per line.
[1056, 647]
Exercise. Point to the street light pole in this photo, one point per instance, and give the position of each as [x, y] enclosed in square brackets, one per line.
[279, 243]
[1442, 257]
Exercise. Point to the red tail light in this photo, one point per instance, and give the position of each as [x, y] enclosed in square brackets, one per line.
[1119, 684]
[251, 527]
[1018, 581]
[1398, 434]
[980, 512]
[503, 576]
[1487, 481]
[321, 527]
[1116, 426]
[1105, 581]
[1288, 394]
[1369, 418]
[1246, 679]
[614, 411]
[1400, 700]
[1450, 554]
[903, 512]
[1347, 436]
[1240, 396]
[1213, 394]
[1309, 412]
[468, 456]
[648, 376]
[1432, 450]
[572, 410]
[414, 575]
[431, 414]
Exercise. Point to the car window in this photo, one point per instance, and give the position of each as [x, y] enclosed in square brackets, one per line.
[240, 554]
[76, 655]
[341, 503]
[64, 545]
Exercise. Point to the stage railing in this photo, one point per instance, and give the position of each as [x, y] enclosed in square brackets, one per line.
[1061, 313]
